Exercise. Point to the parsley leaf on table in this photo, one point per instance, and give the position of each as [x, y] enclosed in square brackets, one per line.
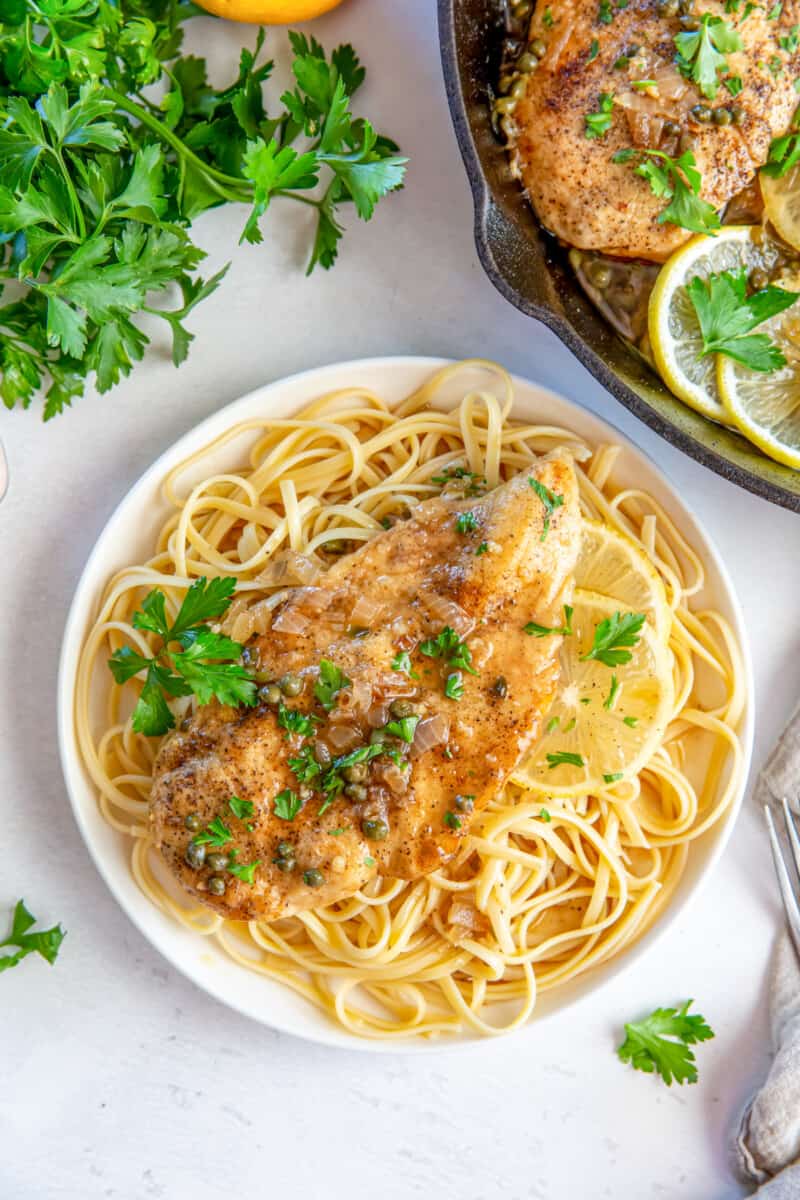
[99, 182]
[660, 1043]
[678, 181]
[727, 315]
[206, 665]
[46, 942]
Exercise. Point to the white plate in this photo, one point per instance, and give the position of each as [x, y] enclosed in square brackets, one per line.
[128, 538]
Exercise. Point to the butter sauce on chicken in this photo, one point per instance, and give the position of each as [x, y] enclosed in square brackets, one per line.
[356, 759]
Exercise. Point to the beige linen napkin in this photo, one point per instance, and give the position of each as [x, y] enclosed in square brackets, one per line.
[768, 1145]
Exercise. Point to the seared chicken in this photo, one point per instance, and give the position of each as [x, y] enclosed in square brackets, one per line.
[578, 193]
[438, 679]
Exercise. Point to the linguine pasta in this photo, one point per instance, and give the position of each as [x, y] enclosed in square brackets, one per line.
[543, 888]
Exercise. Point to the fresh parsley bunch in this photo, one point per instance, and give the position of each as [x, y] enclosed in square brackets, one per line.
[207, 664]
[101, 177]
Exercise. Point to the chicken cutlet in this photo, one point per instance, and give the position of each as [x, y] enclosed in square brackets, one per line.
[595, 48]
[410, 692]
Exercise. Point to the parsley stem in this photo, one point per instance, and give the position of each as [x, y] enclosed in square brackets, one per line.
[73, 195]
[158, 127]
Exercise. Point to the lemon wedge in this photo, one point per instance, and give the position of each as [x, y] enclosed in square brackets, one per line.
[782, 204]
[612, 564]
[673, 327]
[592, 738]
[766, 407]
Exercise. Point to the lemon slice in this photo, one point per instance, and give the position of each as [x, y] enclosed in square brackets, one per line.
[612, 564]
[603, 745]
[766, 407]
[672, 322]
[782, 204]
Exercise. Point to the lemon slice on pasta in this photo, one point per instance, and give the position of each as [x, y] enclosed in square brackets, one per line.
[597, 733]
[612, 564]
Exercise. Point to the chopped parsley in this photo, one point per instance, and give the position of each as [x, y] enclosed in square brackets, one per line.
[287, 804]
[660, 1043]
[304, 765]
[449, 646]
[791, 40]
[474, 484]
[241, 809]
[678, 181]
[330, 683]
[294, 721]
[403, 728]
[775, 12]
[605, 13]
[402, 662]
[539, 631]
[643, 85]
[784, 152]
[466, 522]
[733, 83]
[484, 546]
[631, 722]
[215, 834]
[613, 692]
[369, 861]
[547, 18]
[552, 724]
[46, 942]
[452, 820]
[612, 637]
[594, 50]
[454, 686]
[244, 871]
[564, 758]
[701, 52]
[599, 122]
[544, 815]
[613, 778]
[206, 666]
[550, 500]
[727, 317]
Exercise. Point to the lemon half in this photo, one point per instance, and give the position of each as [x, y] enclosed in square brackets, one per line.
[612, 564]
[609, 738]
[782, 204]
[672, 322]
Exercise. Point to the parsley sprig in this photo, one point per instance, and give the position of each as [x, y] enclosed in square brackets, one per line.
[701, 52]
[206, 665]
[99, 183]
[727, 316]
[678, 181]
[540, 631]
[46, 942]
[661, 1043]
[613, 636]
[784, 152]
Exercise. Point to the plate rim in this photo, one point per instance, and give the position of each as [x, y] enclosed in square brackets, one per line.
[82, 606]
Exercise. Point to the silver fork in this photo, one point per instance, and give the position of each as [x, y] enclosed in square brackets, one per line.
[790, 888]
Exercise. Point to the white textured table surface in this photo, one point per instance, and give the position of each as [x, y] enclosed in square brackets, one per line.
[117, 1077]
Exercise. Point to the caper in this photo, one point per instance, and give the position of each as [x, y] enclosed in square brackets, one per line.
[195, 854]
[522, 9]
[285, 864]
[500, 687]
[538, 47]
[217, 861]
[217, 885]
[758, 279]
[313, 878]
[194, 822]
[357, 773]
[599, 274]
[519, 89]
[464, 803]
[402, 708]
[356, 791]
[503, 85]
[671, 129]
[669, 8]
[701, 113]
[322, 754]
[721, 116]
[691, 24]
[376, 830]
[270, 694]
[285, 860]
[285, 849]
[506, 104]
[527, 62]
[737, 114]
[291, 685]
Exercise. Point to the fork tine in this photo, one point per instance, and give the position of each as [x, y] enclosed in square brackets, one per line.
[790, 903]
[791, 829]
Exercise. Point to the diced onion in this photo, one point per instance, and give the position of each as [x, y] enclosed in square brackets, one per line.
[289, 568]
[344, 736]
[290, 620]
[395, 779]
[352, 703]
[313, 600]
[377, 716]
[447, 612]
[433, 731]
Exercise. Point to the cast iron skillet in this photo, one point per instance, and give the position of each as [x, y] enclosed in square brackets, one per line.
[531, 272]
